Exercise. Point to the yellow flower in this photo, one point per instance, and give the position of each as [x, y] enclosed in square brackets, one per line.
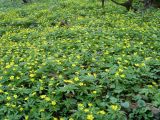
[80, 18]
[78, 56]
[89, 74]
[52, 79]
[1, 91]
[142, 64]
[86, 110]
[55, 118]
[93, 59]
[141, 43]
[114, 107]
[90, 104]
[8, 66]
[14, 69]
[106, 53]
[32, 75]
[119, 62]
[61, 119]
[150, 86]
[77, 73]
[155, 84]
[13, 106]
[8, 98]
[41, 110]
[117, 74]
[47, 99]
[40, 80]
[21, 109]
[90, 117]
[41, 88]
[102, 112]
[8, 104]
[126, 61]
[81, 83]
[15, 96]
[53, 103]
[34, 93]
[119, 58]
[94, 92]
[95, 75]
[26, 98]
[32, 80]
[80, 106]
[44, 76]
[137, 65]
[107, 70]
[42, 96]
[76, 79]
[123, 76]
[26, 117]
[68, 81]
[11, 78]
[120, 70]
[73, 65]
[60, 76]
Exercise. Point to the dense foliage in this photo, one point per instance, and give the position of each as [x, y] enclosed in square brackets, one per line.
[71, 59]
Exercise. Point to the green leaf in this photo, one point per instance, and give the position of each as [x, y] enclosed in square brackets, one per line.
[125, 104]
[141, 103]
[113, 99]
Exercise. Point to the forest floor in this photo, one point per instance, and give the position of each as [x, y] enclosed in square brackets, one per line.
[71, 59]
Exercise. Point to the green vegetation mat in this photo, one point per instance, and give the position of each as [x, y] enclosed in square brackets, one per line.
[73, 60]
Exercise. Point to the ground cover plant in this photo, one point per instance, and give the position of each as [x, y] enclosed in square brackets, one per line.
[73, 60]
